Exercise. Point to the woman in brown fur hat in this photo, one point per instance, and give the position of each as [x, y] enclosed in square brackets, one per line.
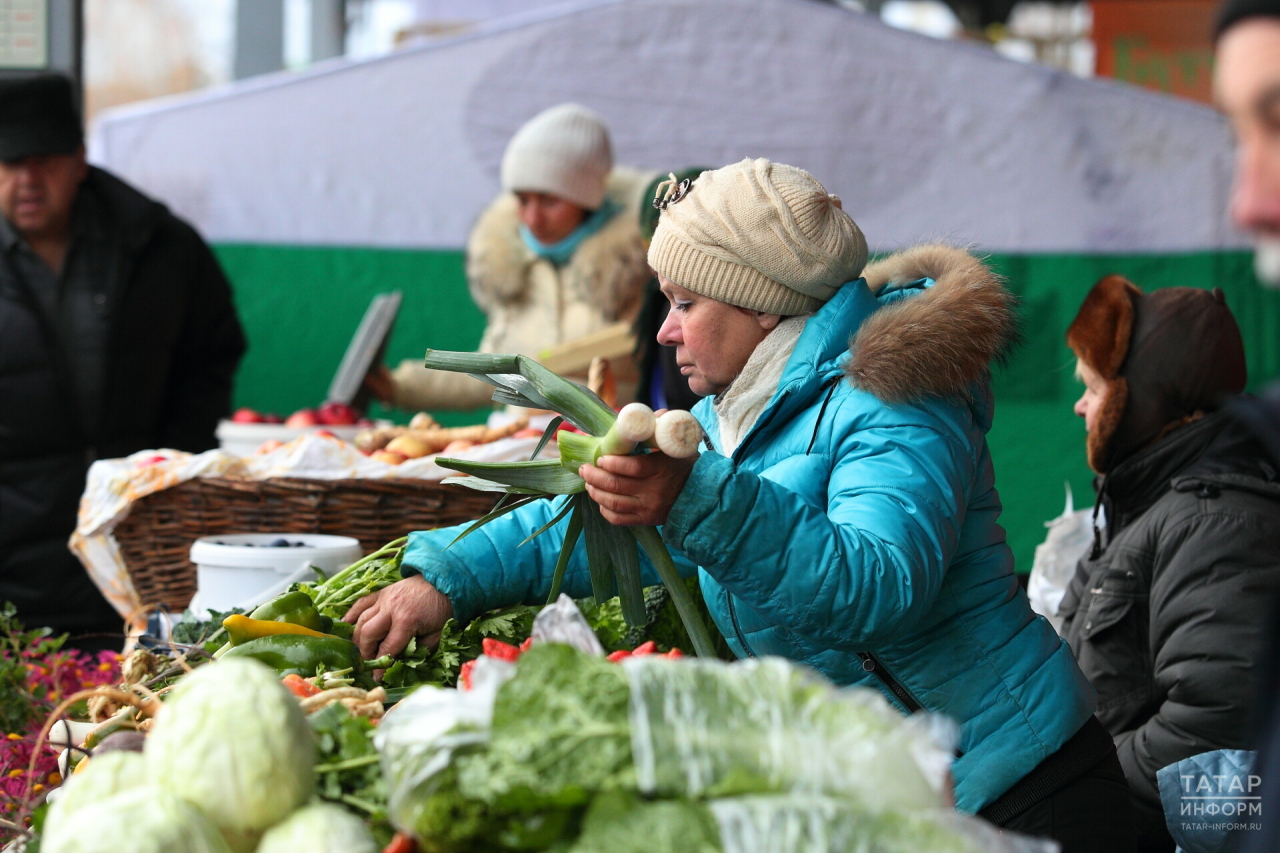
[1165, 614]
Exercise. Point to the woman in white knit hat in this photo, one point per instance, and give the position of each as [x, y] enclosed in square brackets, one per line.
[557, 256]
[845, 511]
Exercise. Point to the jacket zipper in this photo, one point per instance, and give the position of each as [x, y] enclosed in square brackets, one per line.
[737, 629]
[873, 665]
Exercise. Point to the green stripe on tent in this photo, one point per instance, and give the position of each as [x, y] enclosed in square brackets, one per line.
[300, 306]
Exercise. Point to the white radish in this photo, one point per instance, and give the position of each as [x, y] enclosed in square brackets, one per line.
[677, 434]
[635, 424]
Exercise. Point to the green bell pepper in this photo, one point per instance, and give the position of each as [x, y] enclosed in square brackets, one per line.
[296, 608]
[301, 655]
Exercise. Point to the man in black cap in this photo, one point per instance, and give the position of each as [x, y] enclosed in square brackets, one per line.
[117, 334]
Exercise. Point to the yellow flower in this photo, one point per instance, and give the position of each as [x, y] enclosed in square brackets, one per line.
[37, 788]
[15, 773]
[55, 778]
[14, 736]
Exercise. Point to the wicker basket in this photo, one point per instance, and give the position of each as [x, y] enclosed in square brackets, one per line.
[155, 539]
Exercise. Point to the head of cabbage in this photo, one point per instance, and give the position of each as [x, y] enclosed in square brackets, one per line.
[103, 777]
[319, 828]
[234, 743]
[143, 819]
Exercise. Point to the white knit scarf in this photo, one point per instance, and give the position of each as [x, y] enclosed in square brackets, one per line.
[739, 405]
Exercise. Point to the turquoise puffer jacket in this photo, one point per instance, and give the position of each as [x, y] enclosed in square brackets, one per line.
[855, 526]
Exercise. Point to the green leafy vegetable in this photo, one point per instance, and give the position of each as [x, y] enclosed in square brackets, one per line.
[559, 734]
[208, 634]
[418, 664]
[348, 771]
[620, 822]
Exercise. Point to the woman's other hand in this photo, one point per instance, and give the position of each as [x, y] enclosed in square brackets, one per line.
[636, 490]
[387, 619]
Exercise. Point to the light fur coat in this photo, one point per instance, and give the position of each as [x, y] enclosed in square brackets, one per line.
[529, 303]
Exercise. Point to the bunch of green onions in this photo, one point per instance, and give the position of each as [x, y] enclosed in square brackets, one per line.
[612, 557]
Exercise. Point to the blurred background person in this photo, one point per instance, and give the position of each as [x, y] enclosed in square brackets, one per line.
[117, 333]
[1247, 90]
[1165, 614]
[661, 384]
[557, 256]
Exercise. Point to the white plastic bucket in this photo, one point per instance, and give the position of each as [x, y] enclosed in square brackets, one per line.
[243, 570]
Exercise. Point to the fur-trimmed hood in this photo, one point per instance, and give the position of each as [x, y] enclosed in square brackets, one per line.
[940, 341]
[608, 271]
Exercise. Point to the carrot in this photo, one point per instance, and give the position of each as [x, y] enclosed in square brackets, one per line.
[299, 686]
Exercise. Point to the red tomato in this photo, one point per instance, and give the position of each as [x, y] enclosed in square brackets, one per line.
[674, 653]
[614, 657]
[500, 650]
[648, 647]
[524, 647]
[401, 843]
[464, 675]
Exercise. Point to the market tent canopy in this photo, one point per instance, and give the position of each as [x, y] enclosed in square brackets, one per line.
[921, 138]
[322, 188]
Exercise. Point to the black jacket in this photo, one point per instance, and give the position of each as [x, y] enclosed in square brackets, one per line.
[173, 347]
[1166, 616]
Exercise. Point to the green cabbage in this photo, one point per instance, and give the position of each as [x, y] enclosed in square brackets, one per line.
[232, 741]
[140, 820]
[102, 777]
[320, 828]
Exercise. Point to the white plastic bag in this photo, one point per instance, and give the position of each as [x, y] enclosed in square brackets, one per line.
[1070, 536]
[563, 622]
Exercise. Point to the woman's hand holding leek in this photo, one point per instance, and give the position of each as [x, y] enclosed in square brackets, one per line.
[387, 619]
[636, 490]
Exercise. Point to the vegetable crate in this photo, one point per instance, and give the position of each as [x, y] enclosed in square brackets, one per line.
[155, 538]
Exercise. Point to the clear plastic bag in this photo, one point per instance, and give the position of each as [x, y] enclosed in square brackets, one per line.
[807, 824]
[419, 738]
[563, 622]
[1069, 538]
[710, 729]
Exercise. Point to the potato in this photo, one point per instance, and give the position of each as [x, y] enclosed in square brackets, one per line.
[388, 456]
[408, 446]
[457, 447]
[423, 421]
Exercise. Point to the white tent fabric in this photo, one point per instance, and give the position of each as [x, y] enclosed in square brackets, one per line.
[921, 138]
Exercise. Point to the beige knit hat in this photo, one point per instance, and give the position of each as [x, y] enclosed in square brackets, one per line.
[564, 151]
[759, 235]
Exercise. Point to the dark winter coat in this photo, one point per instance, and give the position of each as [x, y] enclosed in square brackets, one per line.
[1166, 615]
[173, 346]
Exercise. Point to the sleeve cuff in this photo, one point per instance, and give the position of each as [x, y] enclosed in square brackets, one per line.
[697, 499]
[425, 557]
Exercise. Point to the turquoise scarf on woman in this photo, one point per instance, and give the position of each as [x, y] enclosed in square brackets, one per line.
[560, 252]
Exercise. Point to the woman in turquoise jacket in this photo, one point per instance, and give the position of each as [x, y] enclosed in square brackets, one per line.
[845, 514]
